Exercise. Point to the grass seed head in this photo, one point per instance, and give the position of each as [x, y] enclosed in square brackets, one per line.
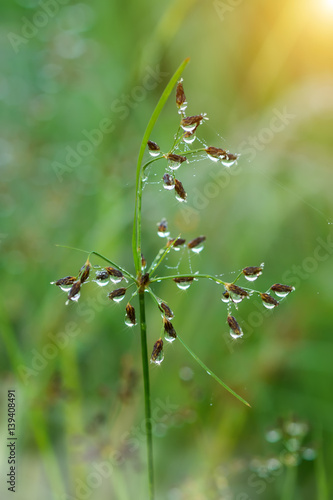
[119, 292]
[196, 242]
[179, 188]
[130, 313]
[157, 354]
[166, 309]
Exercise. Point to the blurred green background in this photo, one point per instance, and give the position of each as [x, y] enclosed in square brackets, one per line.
[67, 67]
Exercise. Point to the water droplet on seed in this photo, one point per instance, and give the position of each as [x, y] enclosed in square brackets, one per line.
[198, 249]
[235, 335]
[180, 199]
[102, 282]
[154, 153]
[282, 295]
[268, 306]
[168, 337]
[190, 139]
[174, 165]
[184, 285]
[228, 163]
[253, 277]
[118, 299]
[158, 359]
[116, 279]
[65, 288]
[189, 128]
[163, 234]
[128, 322]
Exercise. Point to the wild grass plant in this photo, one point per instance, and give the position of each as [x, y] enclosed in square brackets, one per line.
[142, 283]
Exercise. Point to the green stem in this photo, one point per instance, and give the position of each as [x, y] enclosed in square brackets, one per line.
[145, 370]
[209, 371]
[188, 275]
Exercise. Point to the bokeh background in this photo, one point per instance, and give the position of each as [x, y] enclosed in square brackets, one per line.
[262, 71]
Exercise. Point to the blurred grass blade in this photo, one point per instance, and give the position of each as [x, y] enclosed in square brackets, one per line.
[212, 373]
[321, 475]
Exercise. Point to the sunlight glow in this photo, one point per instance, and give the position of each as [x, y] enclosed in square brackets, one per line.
[328, 4]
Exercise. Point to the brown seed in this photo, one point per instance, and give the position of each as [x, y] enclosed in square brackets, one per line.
[190, 121]
[234, 326]
[175, 158]
[237, 290]
[143, 262]
[268, 299]
[130, 313]
[183, 279]
[180, 190]
[252, 271]
[114, 272]
[68, 280]
[231, 156]
[85, 270]
[144, 281]
[180, 95]
[119, 292]
[74, 290]
[102, 275]
[152, 146]
[168, 180]
[157, 354]
[169, 329]
[278, 288]
[194, 243]
[166, 309]
[216, 152]
[176, 242]
[163, 226]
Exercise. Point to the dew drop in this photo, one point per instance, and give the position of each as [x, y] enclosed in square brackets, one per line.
[118, 299]
[197, 249]
[174, 165]
[158, 359]
[73, 299]
[228, 163]
[189, 139]
[184, 285]
[225, 297]
[154, 153]
[236, 298]
[213, 158]
[253, 277]
[65, 288]
[128, 322]
[268, 306]
[189, 128]
[168, 337]
[168, 181]
[182, 200]
[163, 234]
[282, 295]
[102, 282]
[116, 279]
[235, 335]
